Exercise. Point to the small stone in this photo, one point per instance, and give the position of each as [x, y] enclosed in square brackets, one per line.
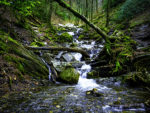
[58, 106]
[117, 102]
[119, 98]
[88, 92]
[95, 90]
[50, 111]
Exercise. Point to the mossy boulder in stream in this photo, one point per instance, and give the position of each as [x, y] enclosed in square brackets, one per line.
[69, 75]
[137, 78]
[65, 37]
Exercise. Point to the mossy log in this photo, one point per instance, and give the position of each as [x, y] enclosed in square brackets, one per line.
[84, 53]
[84, 19]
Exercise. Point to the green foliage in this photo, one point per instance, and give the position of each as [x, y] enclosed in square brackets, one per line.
[81, 37]
[43, 10]
[130, 8]
[108, 47]
[113, 3]
[5, 2]
[37, 44]
[24, 8]
[121, 50]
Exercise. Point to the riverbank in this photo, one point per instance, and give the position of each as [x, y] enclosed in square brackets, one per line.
[29, 72]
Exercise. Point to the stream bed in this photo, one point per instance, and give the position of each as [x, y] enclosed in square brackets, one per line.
[62, 98]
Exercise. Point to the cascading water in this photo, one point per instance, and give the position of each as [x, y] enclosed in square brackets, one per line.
[49, 68]
[60, 98]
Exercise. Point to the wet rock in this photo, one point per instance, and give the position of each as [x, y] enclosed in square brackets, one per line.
[77, 56]
[59, 55]
[59, 66]
[141, 34]
[92, 74]
[94, 92]
[129, 106]
[77, 64]
[147, 105]
[137, 78]
[47, 57]
[117, 102]
[68, 57]
[69, 75]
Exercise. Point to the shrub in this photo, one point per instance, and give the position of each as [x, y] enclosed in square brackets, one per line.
[113, 3]
[130, 8]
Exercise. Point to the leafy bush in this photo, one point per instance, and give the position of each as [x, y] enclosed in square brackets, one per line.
[130, 8]
[23, 7]
[113, 3]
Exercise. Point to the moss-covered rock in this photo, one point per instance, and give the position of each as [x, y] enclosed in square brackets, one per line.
[69, 75]
[20, 63]
[37, 44]
[93, 74]
[65, 37]
[81, 37]
[137, 78]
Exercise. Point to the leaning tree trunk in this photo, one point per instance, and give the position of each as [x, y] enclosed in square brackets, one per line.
[75, 13]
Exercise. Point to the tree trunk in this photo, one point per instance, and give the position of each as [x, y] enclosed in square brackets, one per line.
[51, 11]
[97, 6]
[84, 53]
[92, 11]
[75, 13]
[107, 13]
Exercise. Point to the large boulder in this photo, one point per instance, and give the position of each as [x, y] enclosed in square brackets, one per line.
[65, 37]
[137, 78]
[68, 57]
[69, 75]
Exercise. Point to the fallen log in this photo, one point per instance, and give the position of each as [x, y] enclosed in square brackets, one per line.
[84, 53]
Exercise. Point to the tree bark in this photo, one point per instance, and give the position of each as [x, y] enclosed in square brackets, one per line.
[97, 6]
[84, 19]
[84, 53]
[107, 13]
[51, 11]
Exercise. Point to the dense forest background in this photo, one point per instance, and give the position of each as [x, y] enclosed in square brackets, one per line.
[29, 26]
[47, 9]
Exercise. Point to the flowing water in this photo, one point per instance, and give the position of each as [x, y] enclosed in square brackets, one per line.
[62, 98]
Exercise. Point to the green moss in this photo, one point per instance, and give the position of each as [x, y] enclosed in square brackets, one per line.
[81, 37]
[74, 45]
[92, 74]
[138, 78]
[65, 37]
[25, 61]
[37, 44]
[69, 75]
